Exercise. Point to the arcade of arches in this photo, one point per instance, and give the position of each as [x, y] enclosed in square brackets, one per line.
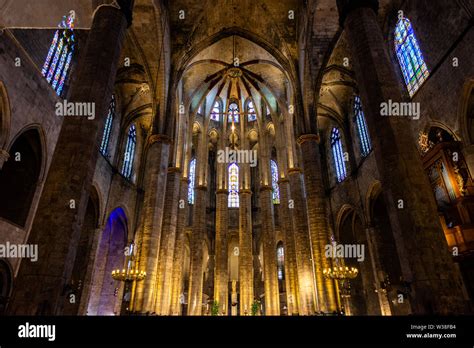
[231, 144]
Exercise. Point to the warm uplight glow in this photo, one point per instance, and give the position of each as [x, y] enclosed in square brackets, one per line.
[128, 275]
[341, 273]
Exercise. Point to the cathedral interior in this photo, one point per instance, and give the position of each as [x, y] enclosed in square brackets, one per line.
[236, 157]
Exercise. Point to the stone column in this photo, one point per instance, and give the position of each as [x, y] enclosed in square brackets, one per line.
[291, 275]
[168, 236]
[56, 227]
[179, 249]
[245, 250]
[221, 275]
[317, 218]
[422, 248]
[272, 296]
[299, 219]
[197, 253]
[378, 272]
[4, 156]
[154, 182]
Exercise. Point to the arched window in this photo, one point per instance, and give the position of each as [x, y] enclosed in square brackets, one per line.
[365, 144]
[59, 57]
[280, 261]
[275, 187]
[338, 155]
[129, 152]
[252, 115]
[234, 112]
[108, 128]
[233, 186]
[192, 180]
[216, 110]
[409, 55]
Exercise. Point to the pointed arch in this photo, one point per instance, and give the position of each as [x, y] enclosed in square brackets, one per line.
[19, 177]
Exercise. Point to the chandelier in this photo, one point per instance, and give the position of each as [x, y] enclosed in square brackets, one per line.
[340, 273]
[128, 275]
[131, 273]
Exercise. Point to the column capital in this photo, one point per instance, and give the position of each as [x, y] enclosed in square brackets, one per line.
[158, 138]
[174, 170]
[308, 137]
[347, 6]
[222, 191]
[294, 170]
[283, 180]
[245, 191]
[201, 187]
[266, 188]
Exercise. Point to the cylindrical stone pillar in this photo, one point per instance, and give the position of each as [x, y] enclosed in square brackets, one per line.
[317, 218]
[221, 275]
[197, 252]
[245, 252]
[299, 218]
[168, 236]
[177, 273]
[272, 296]
[156, 171]
[291, 276]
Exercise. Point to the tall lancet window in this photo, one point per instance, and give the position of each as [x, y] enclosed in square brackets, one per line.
[233, 112]
[280, 261]
[338, 154]
[216, 110]
[276, 189]
[233, 186]
[365, 144]
[104, 144]
[58, 60]
[129, 153]
[409, 55]
[252, 115]
[192, 180]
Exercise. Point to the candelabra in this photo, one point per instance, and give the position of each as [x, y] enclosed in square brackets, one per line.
[340, 273]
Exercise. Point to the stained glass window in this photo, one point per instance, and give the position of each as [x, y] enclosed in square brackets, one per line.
[281, 261]
[276, 189]
[338, 154]
[234, 112]
[216, 110]
[233, 186]
[129, 153]
[192, 180]
[108, 128]
[252, 115]
[365, 144]
[58, 60]
[409, 55]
